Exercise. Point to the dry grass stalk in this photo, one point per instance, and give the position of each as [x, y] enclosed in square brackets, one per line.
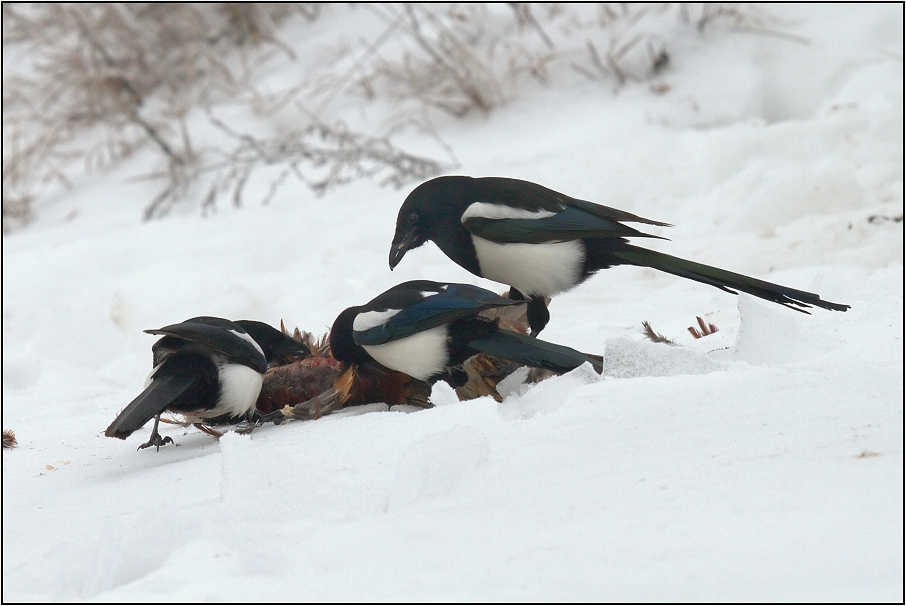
[100, 80]
[442, 70]
[741, 17]
[97, 81]
[319, 155]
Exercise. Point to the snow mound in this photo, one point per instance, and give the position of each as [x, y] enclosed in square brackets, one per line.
[625, 358]
[548, 395]
[769, 335]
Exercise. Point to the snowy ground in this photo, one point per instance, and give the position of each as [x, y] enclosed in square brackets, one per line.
[763, 463]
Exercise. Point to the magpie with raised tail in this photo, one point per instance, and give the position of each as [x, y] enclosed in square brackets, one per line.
[428, 329]
[541, 242]
[207, 369]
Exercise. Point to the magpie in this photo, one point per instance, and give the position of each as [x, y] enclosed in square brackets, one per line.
[541, 242]
[205, 368]
[428, 329]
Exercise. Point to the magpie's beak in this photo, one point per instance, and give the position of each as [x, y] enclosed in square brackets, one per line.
[288, 355]
[401, 245]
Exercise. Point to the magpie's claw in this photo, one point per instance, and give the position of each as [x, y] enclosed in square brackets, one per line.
[158, 441]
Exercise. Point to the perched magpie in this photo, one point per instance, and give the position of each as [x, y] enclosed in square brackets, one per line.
[541, 242]
[205, 368]
[427, 329]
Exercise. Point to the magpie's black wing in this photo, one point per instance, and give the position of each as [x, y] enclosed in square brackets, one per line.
[534, 352]
[512, 211]
[220, 335]
[413, 307]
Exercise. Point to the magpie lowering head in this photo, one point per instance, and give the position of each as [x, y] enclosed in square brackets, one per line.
[204, 368]
[279, 348]
[541, 242]
[428, 329]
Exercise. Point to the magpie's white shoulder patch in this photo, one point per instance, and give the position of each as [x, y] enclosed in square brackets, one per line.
[486, 210]
[247, 337]
[370, 319]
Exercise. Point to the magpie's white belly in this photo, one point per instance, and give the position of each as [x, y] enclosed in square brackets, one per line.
[534, 269]
[421, 355]
[239, 390]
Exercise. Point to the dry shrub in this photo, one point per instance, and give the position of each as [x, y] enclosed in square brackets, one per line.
[321, 156]
[96, 82]
[461, 58]
[444, 69]
[100, 80]
[740, 17]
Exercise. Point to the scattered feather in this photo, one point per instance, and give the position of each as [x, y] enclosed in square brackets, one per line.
[9, 439]
[706, 329]
[655, 336]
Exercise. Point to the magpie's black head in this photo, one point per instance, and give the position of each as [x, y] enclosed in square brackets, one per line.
[342, 345]
[427, 210]
[278, 348]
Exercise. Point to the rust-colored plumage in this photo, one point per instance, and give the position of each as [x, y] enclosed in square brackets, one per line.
[297, 382]
[9, 439]
[319, 385]
[485, 372]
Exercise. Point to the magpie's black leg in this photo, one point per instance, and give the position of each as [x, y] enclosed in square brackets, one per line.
[156, 438]
[515, 295]
[455, 376]
[538, 315]
[276, 416]
[503, 371]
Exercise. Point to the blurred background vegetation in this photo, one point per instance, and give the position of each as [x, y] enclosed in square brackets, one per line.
[87, 85]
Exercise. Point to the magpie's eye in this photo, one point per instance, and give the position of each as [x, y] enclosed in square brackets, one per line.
[412, 219]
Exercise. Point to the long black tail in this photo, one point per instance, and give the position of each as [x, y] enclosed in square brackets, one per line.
[723, 279]
[150, 403]
[534, 352]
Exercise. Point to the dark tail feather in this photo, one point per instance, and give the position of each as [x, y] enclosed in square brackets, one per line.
[725, 280]
[150, 403]
[534, 352]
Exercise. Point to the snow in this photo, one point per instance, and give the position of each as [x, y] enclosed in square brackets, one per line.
[761, 463]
